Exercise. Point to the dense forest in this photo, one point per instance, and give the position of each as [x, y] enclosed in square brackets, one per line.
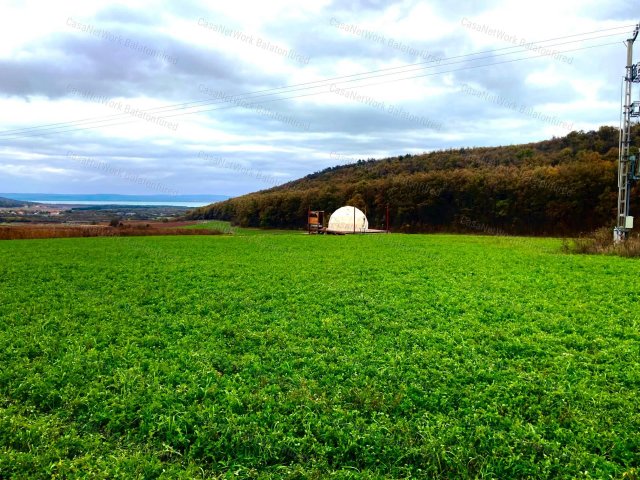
[562, 186]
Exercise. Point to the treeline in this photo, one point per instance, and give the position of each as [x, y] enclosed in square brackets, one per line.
[560, 186]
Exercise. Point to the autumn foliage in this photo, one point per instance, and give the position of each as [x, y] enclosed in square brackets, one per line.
[562, 186]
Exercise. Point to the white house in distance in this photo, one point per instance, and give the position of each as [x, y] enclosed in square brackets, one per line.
[348, 220]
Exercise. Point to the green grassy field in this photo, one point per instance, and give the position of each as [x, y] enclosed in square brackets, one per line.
[293, 356]
[226, 227]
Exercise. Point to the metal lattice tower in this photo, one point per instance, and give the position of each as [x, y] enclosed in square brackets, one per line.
[627, 163]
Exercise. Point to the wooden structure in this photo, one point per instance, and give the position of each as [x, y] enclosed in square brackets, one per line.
[315, 222]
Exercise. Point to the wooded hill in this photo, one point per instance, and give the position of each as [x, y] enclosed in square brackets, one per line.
[560, 186]
[11, 203]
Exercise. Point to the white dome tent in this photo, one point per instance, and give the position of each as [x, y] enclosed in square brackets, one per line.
[348, 220]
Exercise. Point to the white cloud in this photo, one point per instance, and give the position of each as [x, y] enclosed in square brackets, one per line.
[41, 57]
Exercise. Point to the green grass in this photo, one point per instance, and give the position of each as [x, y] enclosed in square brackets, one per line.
[296, 356]
[228, 228]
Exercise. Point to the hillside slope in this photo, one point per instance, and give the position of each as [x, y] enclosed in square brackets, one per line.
[11, 203]
[564, 185]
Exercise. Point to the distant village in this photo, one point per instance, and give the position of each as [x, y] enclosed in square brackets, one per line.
[86, 214]
[33, 209]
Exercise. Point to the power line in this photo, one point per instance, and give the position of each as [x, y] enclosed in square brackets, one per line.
[400, 79]
[315, 93]
[63, 127]
[320, 93]
[209, 102]
[288, 89]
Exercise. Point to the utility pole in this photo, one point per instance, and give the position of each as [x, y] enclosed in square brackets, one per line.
[627, 163]
[387, 218]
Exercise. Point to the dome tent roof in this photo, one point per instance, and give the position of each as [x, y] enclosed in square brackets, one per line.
[343, 220]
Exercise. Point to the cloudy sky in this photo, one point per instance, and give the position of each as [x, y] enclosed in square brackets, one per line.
[189, 97]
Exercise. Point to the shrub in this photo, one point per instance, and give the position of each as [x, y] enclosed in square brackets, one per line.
[601, 242]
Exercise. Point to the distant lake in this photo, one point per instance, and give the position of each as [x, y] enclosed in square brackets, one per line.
[187, 201]
[118, 202]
